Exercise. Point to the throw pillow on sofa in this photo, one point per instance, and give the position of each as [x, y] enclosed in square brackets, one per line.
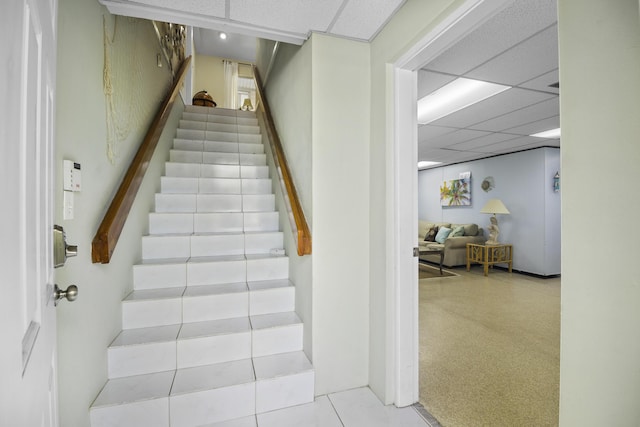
[431, 234]
[457, 232]
[442, 235]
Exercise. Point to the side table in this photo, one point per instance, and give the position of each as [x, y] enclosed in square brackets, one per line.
[501, 253]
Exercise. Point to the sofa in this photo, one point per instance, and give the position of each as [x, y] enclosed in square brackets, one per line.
[455, 247]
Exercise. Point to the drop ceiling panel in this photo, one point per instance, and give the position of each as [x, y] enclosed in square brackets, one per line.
[454, 138]
[517, 47]
[361, 19]
[542, 82]
[502, 103]
[429, 81]
[297, 16]
[537, 126]
[214, 8]
[514, 119]
[426, 132]
[447, 156]
[509, 145]
[548, 143]
[530, 59]
[513, 25]
[477, 143]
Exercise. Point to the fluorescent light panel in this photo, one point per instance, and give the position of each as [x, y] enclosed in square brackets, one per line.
[552, 133]
[455, 96]
[425, 163]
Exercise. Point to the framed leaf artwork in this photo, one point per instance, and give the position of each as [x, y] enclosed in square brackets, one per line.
[456, 192]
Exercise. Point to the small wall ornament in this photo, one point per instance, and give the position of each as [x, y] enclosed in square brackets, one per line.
[556, 182]
[487, 184]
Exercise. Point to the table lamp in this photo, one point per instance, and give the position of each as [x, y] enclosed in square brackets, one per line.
[494, 206]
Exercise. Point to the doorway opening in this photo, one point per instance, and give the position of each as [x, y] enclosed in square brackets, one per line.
[467, 18]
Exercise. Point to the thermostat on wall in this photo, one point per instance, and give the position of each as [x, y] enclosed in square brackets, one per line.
[72, 177]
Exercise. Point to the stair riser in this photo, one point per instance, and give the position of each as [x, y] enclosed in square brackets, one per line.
[197, 170]
[212, 406]
[190, 185]
[147, 413]
[200, 308]
[283, 339]
[206, 135]
[278, 300]
[216, 349]
[212, 118]
[215, 307]
[284, 392]
[141, 359]
[211, 203]
[159, 247]
[217, 146]
[213, 158]
[144, 314]
[218, 127]
[187, 223]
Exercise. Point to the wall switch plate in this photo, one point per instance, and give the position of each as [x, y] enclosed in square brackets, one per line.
[67, 205]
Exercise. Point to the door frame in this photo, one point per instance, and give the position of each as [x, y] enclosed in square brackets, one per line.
[403, 219]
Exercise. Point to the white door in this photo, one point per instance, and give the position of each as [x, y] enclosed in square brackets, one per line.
[28, 320]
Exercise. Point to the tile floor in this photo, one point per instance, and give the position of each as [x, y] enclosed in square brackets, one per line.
[352, 408]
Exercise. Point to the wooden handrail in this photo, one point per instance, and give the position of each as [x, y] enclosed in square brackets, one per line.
[106, 238]
[298, 220]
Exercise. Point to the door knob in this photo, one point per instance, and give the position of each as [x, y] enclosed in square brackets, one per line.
[70, 294]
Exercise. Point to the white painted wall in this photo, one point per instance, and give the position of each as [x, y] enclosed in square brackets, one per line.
[340, 127]
[325, 136]
[289, 96]
[523, 181]
[209, 75]
[599, 110]
[87, 326]
[407, 26]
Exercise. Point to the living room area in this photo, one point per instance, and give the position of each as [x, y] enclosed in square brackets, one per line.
[490, 344]
[489, 333]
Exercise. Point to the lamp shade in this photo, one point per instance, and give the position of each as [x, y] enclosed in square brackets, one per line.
[494, 206]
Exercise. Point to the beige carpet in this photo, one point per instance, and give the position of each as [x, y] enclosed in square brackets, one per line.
[490, 349]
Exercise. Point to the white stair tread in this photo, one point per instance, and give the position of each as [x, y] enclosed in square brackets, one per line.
[152, 294]
[214, 327]
[279, 365]
[218, 258]
[263, 285]
[263, 256]
[238, 422]
[210, 377]
[274, 320]
[162, 261]
[118, 391]
[149, 335]
[203, 290]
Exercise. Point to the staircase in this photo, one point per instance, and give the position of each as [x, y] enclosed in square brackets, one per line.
[210, 332]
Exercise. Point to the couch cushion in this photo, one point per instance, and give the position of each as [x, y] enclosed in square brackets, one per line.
[431, 234]
[423, 228]
[469, 229]
[457, 231]
[443, 233]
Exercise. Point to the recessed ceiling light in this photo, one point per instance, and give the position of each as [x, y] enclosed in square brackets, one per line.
[552, 134]
[223, 36]
[425, 164]
[455, 96]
